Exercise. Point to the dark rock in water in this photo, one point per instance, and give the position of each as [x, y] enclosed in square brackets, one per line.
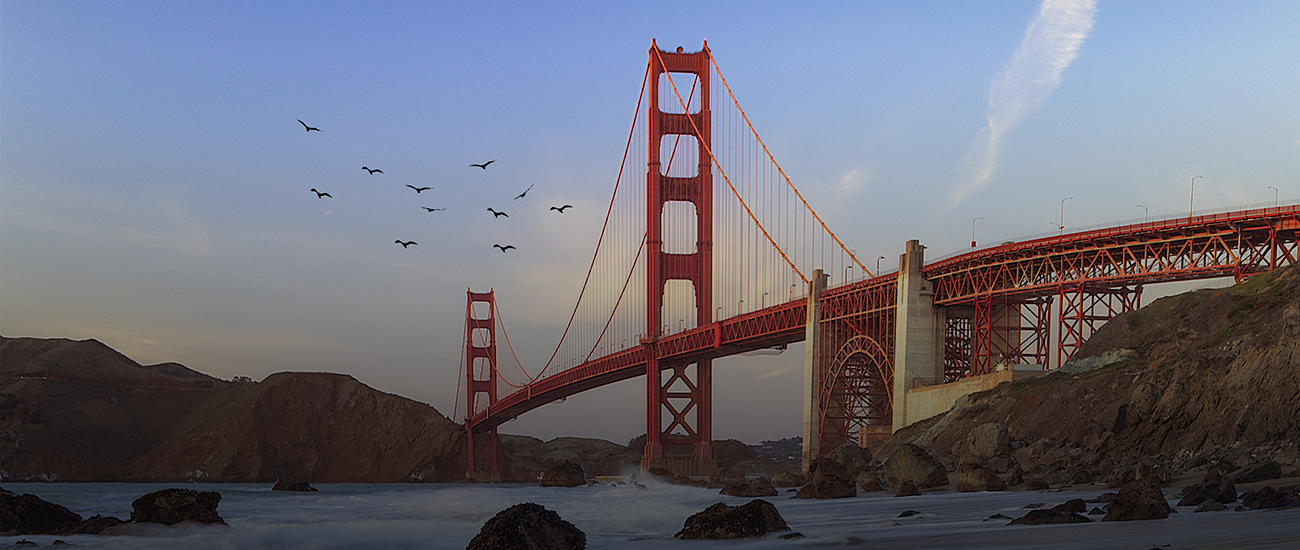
[1075, 506]
[907, 489]
[828, 479]
[1096, 511]
[1267, 498]
[788, 479]
[1258, 472]
[95, 525]
[760, 487]
[870, 482]
[1138, 500]
[528, 526]
[788, 536]
[854, 458]
[722, 476]
[563, 474]
[998, 516]
[1215, 486]
[30, 515]
[172, 506]
[1211, 506]
[908, 513]
[1048, 517]
[720, 521]
[4, 493]
[975, 478]
[301, 486]
[1037, 485]
[912, 463]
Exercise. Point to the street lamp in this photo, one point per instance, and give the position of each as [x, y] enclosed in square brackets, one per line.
[846, 273]
[1146, 212]
[1192, 202]
[972, 232]
[1062, 224]
[1274, 195]
[878, 264]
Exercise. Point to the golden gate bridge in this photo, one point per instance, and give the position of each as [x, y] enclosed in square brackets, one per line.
[718, 254]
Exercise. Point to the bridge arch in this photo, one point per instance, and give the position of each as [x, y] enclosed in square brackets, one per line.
[857, 391]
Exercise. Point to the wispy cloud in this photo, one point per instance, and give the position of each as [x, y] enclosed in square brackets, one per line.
[1051, 43]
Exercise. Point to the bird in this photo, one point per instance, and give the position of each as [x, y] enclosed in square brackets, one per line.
[521, 195]
[484, 165]
[498, 214]
[405, 244]
[560, 209]
[319, 194]
[418, 189]
[304, 125]
[372, 170]
[427, 209]
[505, 248]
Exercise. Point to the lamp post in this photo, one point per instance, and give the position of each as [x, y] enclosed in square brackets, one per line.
[1062, 224]
[1274, 195]
[1145, 213]
[1191, 203]
[846, 273]
[878, 264]
[972, 232]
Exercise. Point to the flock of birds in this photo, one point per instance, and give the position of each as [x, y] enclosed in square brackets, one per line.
[418, 190]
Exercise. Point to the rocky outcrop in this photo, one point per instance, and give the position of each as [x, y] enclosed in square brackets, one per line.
[528, 526]
[907, 489]
[870, 482]
[563, 474]
[30, 515]
[854, 458]
[760, 487]
[1214, 486]
[912, 463]
[296, 486]
[717, 522]
[1268, 497]
[1138, 500]
[975, 478]
[1049, 517]
[1258, 472]
[828, 479]
[787, 479]
[172, 506]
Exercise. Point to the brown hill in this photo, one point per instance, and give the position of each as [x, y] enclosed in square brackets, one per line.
[1212, 374]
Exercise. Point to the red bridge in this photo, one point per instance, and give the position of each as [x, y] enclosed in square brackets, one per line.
[750, 270]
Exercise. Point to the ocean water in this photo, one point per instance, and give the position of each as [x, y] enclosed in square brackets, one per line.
[447, 516]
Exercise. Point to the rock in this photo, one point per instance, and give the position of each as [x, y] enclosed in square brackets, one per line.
[1211, 506]
[907, 489]
[95, 525]
[720, 521]
[172, 506]
[852, 457]
[1048, 517]
[1096, 511]
[998, 516]
[828, 479]
[528, 526]
[975, 478]
[300, 486]
[1075, 506]
[911, 463]
[30, 515]
[1214, 486]
[908, 513]
[1138, 500]
[1104, 497]
[1001, 464]
[563, 474]
[870, 482]
[1015, 477]
[789, 536]
[1267, 498]
[1258, 472]
[722, 476]
[988, 440]
[4, 493]
[1037, 485]
[788, 479]
[760, 487]
[1120, 476]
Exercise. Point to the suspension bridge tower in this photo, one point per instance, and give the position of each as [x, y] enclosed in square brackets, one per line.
[680, 445]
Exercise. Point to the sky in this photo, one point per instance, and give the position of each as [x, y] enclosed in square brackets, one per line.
[154, 177]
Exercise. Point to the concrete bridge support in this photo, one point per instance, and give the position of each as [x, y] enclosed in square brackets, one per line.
[919, 331]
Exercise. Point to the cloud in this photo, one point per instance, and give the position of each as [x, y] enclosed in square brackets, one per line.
[854, 180]
[1051, 43]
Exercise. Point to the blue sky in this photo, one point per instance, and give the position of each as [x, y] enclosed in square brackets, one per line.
[154, 178]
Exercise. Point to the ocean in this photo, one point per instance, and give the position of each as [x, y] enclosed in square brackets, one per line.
[447, 516]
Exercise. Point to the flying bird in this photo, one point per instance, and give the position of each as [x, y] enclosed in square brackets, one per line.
[372, 170]
[304, 125]
[560, 209]
[521, 195]
[427, 209]
[319, 194]
[498, 214]
[484, 165]
[405, 244]
[505, 248]
[418, 189]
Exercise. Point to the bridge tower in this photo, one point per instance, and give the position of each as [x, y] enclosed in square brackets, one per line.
[684, 393]
[480, 379]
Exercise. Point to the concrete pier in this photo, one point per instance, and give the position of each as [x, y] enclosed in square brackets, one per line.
[918, 332]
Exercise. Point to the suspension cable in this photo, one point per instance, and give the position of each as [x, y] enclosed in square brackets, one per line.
[618, 301]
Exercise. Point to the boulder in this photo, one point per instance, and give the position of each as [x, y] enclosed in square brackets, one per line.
[1214, 486]
[1074, 506]
[975, 478]
[1258, 472]
[528, 526]
[852, 457]
[1095, 511]
[563, 474]
[1138, 500]
[95, 525]
[788, 479]
[870, 482]
[720, 521]
[172, 506]
[30, 515]
[1211, 506]
[1048, 517]
[760, 487]
[298, 486]
[4, 493]
[1001, 464]
[911, 463]
[1268, 498]
[907, 489]
[989, 440]
[722, 476]
[1120, 476]
[828, 479]
[1037, 485]
[1015, 477]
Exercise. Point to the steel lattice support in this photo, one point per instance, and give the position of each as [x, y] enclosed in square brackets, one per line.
[480, 380]
[1084, 308]
[661, 266]
[957, 349]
